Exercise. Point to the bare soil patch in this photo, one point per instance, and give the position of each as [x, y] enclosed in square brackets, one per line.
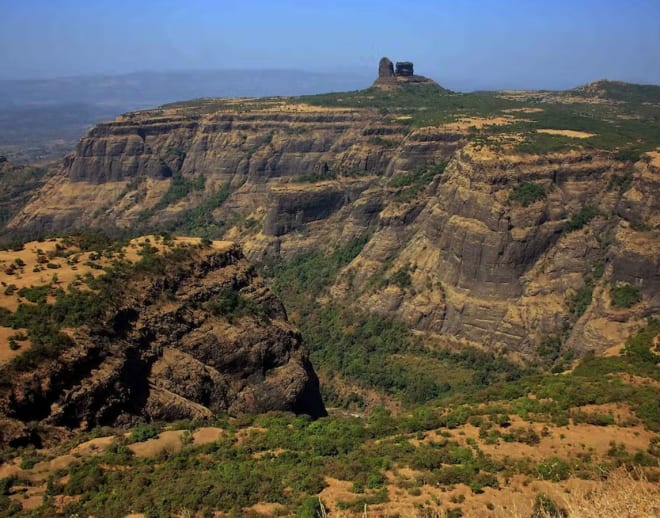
[465, 123]
[170, 441]
[566, 133]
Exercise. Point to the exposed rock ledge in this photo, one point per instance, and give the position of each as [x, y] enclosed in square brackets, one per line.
[164, 354]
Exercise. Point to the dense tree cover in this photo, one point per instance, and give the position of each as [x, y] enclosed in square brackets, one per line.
[371, 350]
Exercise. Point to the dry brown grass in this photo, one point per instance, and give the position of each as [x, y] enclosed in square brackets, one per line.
[622, 495]
[566, 133]
[655, 158]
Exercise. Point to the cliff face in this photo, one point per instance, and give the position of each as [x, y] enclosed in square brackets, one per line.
[203, 337]
[122, 169]
[487, 269]
[479, 264]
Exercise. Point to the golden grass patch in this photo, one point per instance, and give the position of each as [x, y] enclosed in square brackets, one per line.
[567, 133]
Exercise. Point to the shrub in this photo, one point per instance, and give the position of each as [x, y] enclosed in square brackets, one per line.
[554, 469]
[580, 301]
[550, 347]
[36, 294]
[231, 304]
[640, 347]
[527, 193]
[624, 295]
[402, 278]
[143, 432]
[594, 419]
[581, 218]
[545, 507]
[310, 508]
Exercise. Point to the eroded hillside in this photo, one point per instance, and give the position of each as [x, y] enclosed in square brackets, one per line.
[157, 330]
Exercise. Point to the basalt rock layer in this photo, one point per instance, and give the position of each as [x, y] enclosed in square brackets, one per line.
[479, 265]
[203, 337]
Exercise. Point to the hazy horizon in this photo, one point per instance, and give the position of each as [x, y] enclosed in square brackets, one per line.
[464, 46]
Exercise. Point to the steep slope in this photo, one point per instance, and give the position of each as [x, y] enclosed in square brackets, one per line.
[482, 263]
[19, 183]
[186, 332]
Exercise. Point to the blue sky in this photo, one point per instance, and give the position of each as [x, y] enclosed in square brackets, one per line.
[462, 44]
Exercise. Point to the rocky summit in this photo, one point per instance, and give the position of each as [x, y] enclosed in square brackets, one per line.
[390, 77]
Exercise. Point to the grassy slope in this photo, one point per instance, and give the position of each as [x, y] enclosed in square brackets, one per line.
[542, 433]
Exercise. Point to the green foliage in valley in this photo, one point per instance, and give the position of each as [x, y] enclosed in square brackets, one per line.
[371, 350]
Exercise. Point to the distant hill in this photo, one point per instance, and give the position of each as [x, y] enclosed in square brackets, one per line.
[620, 91]
[42, 119]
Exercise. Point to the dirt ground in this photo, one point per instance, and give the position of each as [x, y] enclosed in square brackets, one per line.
[566, 133]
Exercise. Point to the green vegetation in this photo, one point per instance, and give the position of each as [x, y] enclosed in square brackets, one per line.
[536, 143]
[44, 322]
[641, 349]
[316, 177]
[413, 183]
[231, 304]
[626, 92]
[75, 307]
[627, 129]
[144, 432]
[35, 294]
[581, 218]
[18, 185]
[179, 188]
[371, 350]
[580, 301]
[545, 507]
[280, 458]
[527, 193]
[625, 295]
[401, 277]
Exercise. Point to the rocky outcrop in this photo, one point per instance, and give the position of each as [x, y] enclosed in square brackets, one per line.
[486, 269]
[404, 69]
[391, 78]
[203, 338]
[18, 183]
[122, 169]
[385, 69]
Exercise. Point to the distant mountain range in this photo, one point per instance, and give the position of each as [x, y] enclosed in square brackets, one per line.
[42, 119]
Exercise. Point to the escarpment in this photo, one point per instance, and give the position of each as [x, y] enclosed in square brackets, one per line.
[187, 334]
[468, 238]
[482, 264]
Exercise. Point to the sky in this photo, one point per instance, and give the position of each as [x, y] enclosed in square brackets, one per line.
[462, 44]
